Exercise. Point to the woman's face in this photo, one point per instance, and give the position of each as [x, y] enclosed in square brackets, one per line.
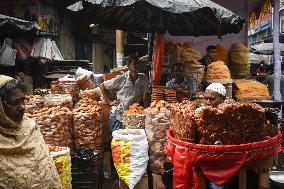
[14, 106]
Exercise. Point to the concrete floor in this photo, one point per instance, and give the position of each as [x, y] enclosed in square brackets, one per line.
[110, 184]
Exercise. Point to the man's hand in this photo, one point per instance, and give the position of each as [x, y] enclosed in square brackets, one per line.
[114, 103]
[104, 93]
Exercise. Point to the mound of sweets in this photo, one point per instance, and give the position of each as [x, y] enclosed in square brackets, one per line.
[230, 123]
[134, 109]
[85, 82]
[156, 125]
[134, 117]
[55, 125]
[34, 103]
[183, 121]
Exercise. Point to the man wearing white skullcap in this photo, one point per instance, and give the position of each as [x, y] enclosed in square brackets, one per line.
[215, 94]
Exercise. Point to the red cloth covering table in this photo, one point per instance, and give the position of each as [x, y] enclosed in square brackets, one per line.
[218, 163]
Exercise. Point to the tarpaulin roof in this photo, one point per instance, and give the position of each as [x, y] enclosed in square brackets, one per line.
[266, 48]
[178, 17]
[13, 26]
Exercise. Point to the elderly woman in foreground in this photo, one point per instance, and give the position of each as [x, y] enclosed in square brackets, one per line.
[24, 157]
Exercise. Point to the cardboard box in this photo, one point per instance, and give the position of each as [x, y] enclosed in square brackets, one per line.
[142, 184]
[157, 182]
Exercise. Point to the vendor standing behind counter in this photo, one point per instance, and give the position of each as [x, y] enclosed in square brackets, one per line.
[209, 57]
[180, 81]
[131, 88]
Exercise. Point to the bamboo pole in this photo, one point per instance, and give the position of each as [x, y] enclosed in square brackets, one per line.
[119, 47]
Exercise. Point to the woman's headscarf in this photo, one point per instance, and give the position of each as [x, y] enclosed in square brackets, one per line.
[3, 118]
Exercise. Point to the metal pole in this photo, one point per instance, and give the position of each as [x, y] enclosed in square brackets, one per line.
[277, 62]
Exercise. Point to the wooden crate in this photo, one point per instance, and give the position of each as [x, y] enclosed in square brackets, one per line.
[254, 98]
[263, 166]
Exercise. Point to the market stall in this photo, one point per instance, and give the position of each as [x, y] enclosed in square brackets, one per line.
[230, 64]
[73, 117]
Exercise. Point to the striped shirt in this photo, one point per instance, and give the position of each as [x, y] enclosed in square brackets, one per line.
[188, 83]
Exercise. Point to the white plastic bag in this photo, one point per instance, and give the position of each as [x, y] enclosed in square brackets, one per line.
[44, 47]
[56, 52]
[130, 154]
[8, 54]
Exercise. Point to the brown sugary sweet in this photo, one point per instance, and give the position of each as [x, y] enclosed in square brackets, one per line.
[88, 131]
[250, 89]
[34, 103]
[53, 148]
[134, 117]
[184, 121]
[90, 118]
[85, 82]
[134, 109]
[55, 125]
[229, 123]
[54, 100]
[234, 123]
[157, 123]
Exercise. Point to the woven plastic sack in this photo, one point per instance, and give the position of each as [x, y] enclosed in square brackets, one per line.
[130, 154]
[62, 161]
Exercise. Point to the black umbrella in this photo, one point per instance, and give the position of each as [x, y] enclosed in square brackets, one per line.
[178, 17]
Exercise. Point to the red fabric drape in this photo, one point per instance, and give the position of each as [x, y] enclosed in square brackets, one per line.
[158, 57]
[218, 163]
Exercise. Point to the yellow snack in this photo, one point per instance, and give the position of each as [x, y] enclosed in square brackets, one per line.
[63, 166]
[217, 70]
[239, 60]
[222, 53]
[250, 89]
